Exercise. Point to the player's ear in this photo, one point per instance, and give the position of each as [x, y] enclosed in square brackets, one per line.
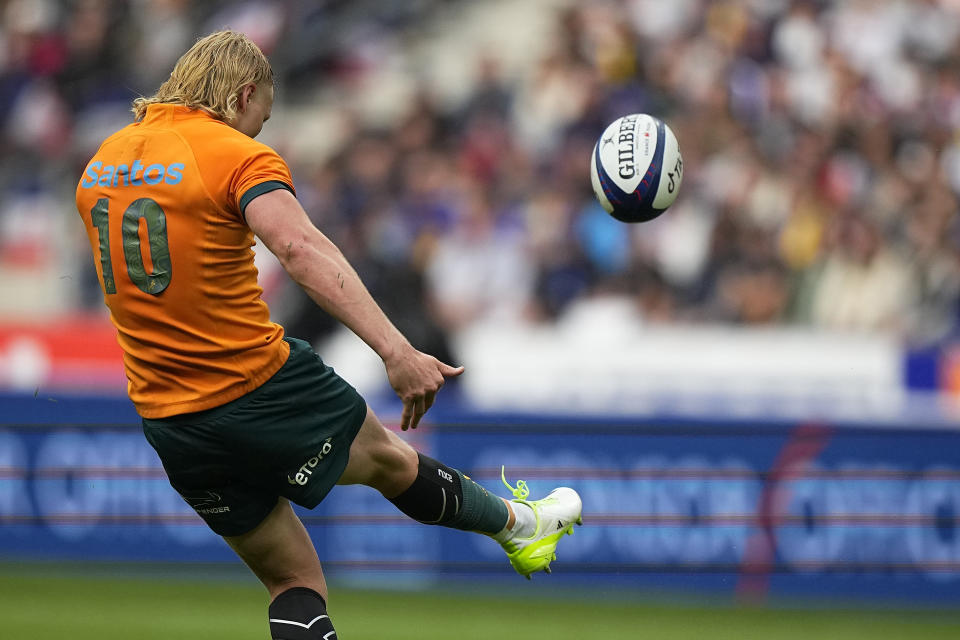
[246, 94]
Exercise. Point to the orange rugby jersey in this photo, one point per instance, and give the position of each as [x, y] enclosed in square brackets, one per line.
[162, 201]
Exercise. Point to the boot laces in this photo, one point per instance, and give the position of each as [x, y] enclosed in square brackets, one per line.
[520, 491]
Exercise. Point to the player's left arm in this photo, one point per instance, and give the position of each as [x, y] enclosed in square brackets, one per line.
[321, 269]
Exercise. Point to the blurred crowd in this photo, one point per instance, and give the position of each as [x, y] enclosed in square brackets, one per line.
[819, 139]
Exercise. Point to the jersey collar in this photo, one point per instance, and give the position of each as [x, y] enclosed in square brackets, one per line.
[165, 113]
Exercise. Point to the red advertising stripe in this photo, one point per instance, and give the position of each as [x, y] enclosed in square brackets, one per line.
[77, 351]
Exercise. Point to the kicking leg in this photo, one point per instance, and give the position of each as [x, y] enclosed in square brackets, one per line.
[433, 493]
[281, 554]
[421, 487]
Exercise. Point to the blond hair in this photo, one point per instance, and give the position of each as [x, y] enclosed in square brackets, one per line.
[210, 75]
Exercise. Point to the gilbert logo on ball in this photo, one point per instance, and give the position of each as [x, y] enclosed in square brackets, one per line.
[636, 168]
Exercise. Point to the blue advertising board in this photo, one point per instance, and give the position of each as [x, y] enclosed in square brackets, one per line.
[732, 507]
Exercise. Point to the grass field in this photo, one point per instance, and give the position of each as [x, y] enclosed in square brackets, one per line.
[42, 605]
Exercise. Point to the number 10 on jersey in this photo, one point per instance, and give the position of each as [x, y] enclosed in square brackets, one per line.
[148, 210]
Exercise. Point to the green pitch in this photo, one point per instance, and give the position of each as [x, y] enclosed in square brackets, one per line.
[50, 605]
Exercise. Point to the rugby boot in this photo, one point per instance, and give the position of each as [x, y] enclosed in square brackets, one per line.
[555, 514]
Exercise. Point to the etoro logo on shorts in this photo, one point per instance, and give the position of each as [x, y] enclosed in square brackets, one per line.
[306, 469]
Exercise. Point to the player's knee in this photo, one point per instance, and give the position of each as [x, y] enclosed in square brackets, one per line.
[300, 614]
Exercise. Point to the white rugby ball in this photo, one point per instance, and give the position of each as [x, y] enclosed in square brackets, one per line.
[636, 168]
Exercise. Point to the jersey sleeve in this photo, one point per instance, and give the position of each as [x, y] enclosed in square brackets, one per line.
[262, 171]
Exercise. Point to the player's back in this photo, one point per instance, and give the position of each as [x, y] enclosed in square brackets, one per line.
[162, 202]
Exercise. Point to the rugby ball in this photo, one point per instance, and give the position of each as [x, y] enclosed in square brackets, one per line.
[636, 168]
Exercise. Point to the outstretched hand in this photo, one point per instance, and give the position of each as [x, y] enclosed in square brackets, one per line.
[417, 377]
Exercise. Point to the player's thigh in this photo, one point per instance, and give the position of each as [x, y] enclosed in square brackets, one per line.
[379, 458]
[279, 552]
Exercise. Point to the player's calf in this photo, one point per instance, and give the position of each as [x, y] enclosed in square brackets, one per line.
[444, 496]
[300, 614]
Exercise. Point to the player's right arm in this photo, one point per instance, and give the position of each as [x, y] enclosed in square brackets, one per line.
[320, 268]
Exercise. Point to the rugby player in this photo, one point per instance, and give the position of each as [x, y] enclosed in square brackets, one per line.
[245, 419]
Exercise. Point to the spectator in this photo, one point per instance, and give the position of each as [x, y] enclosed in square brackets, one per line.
[819, 139]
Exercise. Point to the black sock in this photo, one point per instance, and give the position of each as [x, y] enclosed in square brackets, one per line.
[442, 495]
[300, 614]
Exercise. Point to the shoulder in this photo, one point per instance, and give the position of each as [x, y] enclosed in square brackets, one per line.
[119, 135]
[111, 146]
[234, 165]
[231, 160]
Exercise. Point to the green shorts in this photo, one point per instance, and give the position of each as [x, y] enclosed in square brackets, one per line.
[290, 437]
